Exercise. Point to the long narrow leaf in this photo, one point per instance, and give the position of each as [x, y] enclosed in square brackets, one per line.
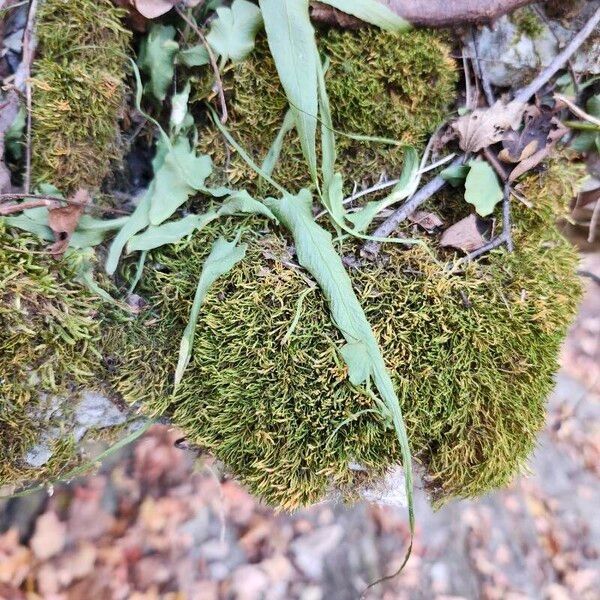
[274, 152]
[316, 253]
[222, 258]
[292, 42]
[371, 11]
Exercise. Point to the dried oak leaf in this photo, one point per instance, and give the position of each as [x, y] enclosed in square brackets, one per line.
[466, 234]
[63, 220]
[486, 126]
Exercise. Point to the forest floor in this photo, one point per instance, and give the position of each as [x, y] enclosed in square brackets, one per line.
[156, 523]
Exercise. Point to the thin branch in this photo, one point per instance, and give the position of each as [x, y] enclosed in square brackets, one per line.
[578, 111]
[213, 62]
[371, 249]
[9, 209]
[49, 198]
[29, 44]
[594, 222]
[485, 82]
[559, 60]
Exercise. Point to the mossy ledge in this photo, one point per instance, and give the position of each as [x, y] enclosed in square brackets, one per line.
[397, 86]
[78, 92]
[472, 355]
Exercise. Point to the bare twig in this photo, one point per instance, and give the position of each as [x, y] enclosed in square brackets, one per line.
[53, 199]
[595, 221]
[29, 44]
[391, 223]
[213, 62]
[559, 60]
[485, 82]
[576, 110]
[9, 209]
[506, 218]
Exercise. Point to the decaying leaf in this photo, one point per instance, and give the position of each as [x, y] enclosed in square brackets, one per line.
[485, 126]
[429, 221]
[482, 188]
[533, 160]
[466, 235]
[533, 137]
[63, 220]
[49, 536]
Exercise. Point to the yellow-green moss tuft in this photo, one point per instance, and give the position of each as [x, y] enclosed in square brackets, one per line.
[380, 84]
[472, 356]
[49, 340]
[78, 91]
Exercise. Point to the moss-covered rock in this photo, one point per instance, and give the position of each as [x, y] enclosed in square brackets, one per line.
[49, 345]
[396, 86]
[78, 91]
[472, 355]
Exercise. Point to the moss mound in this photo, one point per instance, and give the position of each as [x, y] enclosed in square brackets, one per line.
[472, 356]
[78, 91]
[389, 85]
[49, 339]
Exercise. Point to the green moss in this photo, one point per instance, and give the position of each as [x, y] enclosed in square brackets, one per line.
[78, 91]
[472, 355]
[379, 84]
[528, 22]
[49, 339]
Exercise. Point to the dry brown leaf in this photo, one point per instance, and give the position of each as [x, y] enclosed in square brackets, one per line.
[466, 235]
[486, 126]
[427, 220]
[63, 220]
[521, 145]
[536, 158]
[49, 536]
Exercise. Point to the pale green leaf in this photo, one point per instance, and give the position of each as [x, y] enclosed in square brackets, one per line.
[292, 42]
[157, 59]
[316, 253]
[328, 149]
[371, 11]
[355, 355]
[13, 138]
[482, 188]
[222, 258]
[593, 106]
[182, 174]
[456, 175]
[180, 117]
[406, 187]
[169, 233]
[233, 32]
[274, 152]
[242, 203]
[196, 56]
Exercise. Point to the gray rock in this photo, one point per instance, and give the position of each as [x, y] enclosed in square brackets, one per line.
[512, 58]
